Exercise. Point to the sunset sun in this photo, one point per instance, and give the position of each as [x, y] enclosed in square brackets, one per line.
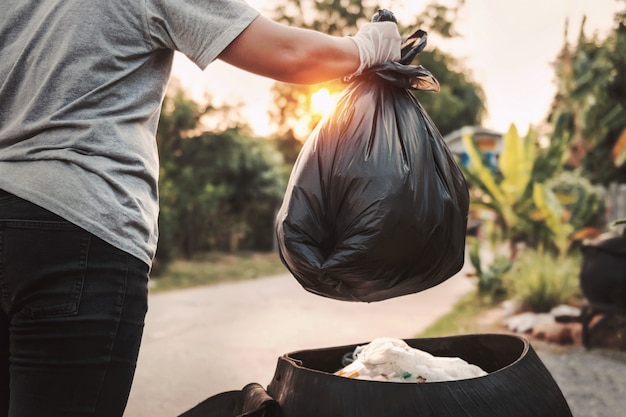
[322, 101]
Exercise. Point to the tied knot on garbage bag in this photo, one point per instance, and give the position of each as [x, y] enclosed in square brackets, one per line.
[376, 205]
[402, 74]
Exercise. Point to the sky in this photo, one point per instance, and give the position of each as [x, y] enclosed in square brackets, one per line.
[509, 46]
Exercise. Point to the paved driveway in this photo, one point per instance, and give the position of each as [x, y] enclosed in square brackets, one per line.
[204, 341]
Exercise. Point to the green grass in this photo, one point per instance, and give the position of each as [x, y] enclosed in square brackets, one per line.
[543, 281]
[463, 319]
[213, 268]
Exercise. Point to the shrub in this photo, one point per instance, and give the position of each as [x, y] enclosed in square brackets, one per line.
[542, 281]
[490, 285]
[583, 201]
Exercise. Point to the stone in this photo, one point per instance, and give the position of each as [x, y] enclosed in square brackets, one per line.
[511, 307]
[525, 322]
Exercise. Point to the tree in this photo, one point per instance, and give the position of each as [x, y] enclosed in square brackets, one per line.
[289, 146]
[589, 111]
[459, 103]
[218, 190]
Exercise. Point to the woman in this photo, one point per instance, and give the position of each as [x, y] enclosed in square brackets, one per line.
[81, 85]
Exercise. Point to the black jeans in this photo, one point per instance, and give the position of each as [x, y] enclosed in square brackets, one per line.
[71, 318]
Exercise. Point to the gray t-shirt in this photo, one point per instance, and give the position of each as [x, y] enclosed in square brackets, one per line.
[81, 87]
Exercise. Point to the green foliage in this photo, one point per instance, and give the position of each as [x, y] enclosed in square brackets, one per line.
[582, 201]
[460, 101]
[217, 190]
[216, 267]
[222, 187]
[531, 206]
[289, 147]
[506, 192]
[490, 284]
[550, 161]
[589, 110]
[463, 319]
[542, 281]
[550, 213]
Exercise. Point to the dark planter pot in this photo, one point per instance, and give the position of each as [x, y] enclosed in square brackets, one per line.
[603, 272]
[518, 384]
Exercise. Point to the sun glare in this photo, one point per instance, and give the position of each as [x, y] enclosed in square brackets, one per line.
[322, 101]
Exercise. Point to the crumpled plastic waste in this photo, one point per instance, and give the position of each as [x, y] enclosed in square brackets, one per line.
[393, 360]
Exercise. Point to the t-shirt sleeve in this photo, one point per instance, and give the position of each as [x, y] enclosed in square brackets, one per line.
[200, 29]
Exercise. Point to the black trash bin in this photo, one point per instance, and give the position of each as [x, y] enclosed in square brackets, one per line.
[603, 283]
[517, 384]
[304, 385]
[603, 271]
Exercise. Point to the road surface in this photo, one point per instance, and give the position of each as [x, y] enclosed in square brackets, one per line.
[203, 341]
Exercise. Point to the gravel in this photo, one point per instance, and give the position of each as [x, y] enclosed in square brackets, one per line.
[592, 381]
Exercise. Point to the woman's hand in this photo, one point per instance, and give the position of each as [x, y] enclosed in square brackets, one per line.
[303, 56]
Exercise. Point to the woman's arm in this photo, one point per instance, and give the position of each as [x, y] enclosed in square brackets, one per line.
[302, 56]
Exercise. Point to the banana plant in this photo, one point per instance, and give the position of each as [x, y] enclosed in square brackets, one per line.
[502, 195]
[524, 206]
[549, 210]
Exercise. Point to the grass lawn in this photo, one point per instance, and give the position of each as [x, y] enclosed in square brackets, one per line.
[469, 315]
[213, 268]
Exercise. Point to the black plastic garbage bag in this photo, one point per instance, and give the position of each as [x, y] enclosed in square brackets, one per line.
[376, 206]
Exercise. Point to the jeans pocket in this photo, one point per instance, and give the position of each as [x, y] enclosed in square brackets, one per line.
[42, 267]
